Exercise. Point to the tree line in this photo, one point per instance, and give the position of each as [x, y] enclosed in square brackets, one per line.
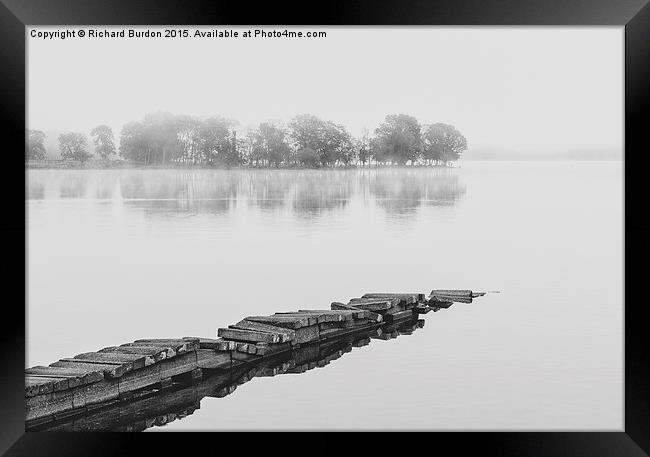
[163, 138]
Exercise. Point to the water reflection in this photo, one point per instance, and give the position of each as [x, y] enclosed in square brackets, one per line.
[73, 186]
[159, 407]
[304, 193]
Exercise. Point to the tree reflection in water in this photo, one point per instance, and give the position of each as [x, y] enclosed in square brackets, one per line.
[307, 194]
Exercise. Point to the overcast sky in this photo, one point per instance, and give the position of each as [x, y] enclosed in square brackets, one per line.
[523, 89]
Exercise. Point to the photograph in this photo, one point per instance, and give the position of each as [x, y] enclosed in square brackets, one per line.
[324, 228]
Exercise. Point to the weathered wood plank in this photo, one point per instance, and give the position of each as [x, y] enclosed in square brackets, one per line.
[312, 318]
[144, 377]
[179, 345]
[316, 317]
[280, 321]
[153, 374]
[452, 293]
[345, 315]
[138, 360]
[440, 303]
[37, 384]
[48, 404]
[269, 350]
[247, 335]
[360, 323]
[398, 308]
[332, 332]
[99, 392]
[49, 384]
[124, 366]
[157, 353]
[218, 344]
[178, 365]
[406, 297]
[109, 370]
[246, 348]
[252, 325]
[212, 359]
[360, 313]
[377, 303]
[399, 316]
[373, 306]
[169, 351]
[307, 334]
[393, 300]
[334, 315]
[449, 299]
[76, 377]
[283, 333]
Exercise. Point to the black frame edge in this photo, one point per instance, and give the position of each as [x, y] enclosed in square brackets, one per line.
[631, 13]
[637, 228]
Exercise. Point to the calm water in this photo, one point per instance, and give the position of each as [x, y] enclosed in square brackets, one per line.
[118, 255]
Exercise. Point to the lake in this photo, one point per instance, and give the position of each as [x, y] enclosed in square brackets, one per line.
[118, 255]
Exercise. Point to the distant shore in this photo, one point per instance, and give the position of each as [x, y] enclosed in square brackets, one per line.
[117, 165]
[101, 165]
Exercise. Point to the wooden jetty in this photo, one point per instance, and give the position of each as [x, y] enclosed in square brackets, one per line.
[148, 372]
[157, 407]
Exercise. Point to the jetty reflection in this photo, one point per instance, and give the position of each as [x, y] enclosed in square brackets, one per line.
[304, 193]
[158, 407]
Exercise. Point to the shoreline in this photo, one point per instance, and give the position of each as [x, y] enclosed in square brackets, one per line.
[130, 166]
[56, 165]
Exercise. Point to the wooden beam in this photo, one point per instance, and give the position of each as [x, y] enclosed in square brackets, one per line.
[109, 370]
[452, 293]
[373, 306]
[142, 348]
[360, 313]
[157, 354]
[35, 385]
[286, 334]
[345, 314]
[280, 321]
[247, 335]
[212, 359]
[46, 384]
[376, 301]
[179, 345]
[218, 344]
[312, 319]
[407, 298]
[75, 377]
[138, 360]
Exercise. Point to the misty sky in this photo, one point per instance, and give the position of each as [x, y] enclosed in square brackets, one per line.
[522, 89]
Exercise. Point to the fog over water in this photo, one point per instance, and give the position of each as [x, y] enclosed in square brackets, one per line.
[118, 255]
[536, 91]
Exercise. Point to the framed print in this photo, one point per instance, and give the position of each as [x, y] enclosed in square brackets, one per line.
[380, 218]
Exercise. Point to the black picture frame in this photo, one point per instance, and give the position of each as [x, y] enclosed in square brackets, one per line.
[634, 15]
